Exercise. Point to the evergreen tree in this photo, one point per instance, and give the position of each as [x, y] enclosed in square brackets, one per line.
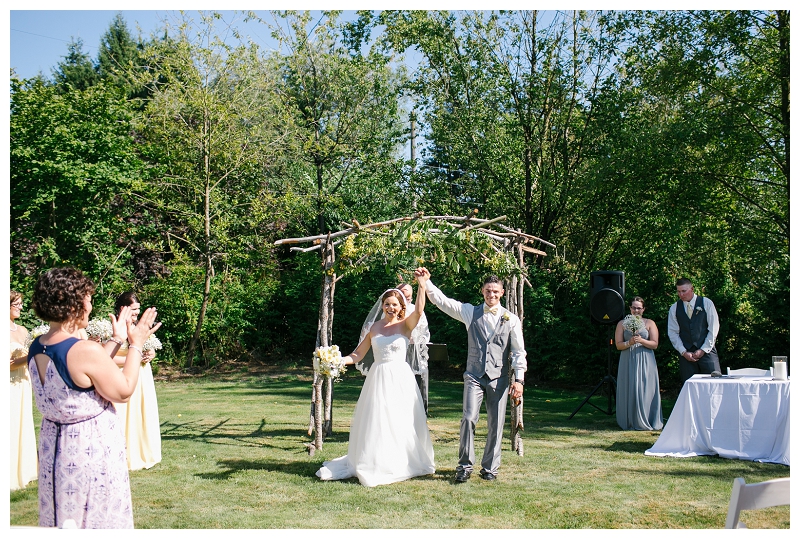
[77, 70]
[118, 53]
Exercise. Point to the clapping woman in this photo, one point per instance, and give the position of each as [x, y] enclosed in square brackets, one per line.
[22, 456]
[638, 392]
[83, 473]
[139, 415]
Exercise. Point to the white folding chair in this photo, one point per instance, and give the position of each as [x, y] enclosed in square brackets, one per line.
[755, 496]
[750, 372]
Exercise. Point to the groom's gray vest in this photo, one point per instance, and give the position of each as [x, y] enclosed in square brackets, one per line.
[484, 355]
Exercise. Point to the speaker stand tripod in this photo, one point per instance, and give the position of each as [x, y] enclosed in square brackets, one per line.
[608, 380]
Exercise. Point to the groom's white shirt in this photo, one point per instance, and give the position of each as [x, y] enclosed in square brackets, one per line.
[464, 312]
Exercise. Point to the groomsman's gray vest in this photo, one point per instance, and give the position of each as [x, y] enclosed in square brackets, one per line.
[489, 357]
[692, 331]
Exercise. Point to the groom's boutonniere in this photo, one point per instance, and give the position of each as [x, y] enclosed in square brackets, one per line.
[699, 309]
[505, 318]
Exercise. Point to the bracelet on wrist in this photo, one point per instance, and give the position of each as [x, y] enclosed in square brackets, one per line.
[132, 347]
[118, 341]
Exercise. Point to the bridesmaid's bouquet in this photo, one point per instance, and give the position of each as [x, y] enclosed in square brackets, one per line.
[99, 329]
[152, 343]
[633, 323]
[38, 331]
[328, 361]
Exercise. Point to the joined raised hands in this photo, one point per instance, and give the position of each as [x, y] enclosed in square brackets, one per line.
[139, 333]
[422, 275]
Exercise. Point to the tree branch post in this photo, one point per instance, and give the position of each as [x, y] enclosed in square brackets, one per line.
[322, 411]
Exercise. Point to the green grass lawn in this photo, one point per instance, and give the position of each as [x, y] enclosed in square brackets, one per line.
[234, 456]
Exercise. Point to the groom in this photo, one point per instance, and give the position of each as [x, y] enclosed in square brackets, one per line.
[494, 337]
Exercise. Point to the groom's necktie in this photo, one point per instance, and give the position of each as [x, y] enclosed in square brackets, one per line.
[487, 309]
[689, 310]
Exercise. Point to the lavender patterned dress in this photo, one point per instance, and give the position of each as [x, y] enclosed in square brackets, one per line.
[83, 471]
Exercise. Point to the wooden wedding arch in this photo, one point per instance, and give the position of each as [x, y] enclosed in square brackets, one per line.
[504, 240]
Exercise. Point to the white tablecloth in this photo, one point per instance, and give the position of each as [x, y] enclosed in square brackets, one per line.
[734, 417]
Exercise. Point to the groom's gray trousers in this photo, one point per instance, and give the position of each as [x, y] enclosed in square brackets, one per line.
[496, 394]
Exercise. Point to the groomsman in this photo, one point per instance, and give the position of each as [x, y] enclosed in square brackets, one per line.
[495, 345]
[412, 356]
[692, 326]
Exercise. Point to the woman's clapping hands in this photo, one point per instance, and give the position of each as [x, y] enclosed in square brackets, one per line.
[119, 325]
[139, 333]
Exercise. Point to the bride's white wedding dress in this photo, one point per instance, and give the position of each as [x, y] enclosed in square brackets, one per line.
[389, 438]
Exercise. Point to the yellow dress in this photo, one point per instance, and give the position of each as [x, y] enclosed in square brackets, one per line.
[142, 426]
[23, 458]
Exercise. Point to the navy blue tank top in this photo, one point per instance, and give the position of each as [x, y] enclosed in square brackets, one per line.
[58, 355]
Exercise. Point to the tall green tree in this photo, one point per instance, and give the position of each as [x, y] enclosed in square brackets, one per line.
[118, 54]
[506, 97]
[653, 142]
[212, 129]
[343, 94]
[72, 167]
[715, 85]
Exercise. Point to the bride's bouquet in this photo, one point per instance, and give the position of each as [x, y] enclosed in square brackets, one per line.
[99, 329]
[328, 361]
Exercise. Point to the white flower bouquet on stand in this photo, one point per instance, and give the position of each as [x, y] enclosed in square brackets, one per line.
[328, 362]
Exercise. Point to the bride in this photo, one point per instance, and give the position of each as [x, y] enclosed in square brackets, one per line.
[389, 438]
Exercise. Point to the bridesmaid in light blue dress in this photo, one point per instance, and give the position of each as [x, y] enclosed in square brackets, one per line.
[638, 392]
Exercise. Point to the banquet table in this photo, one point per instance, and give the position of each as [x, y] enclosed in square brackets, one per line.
[736, 417]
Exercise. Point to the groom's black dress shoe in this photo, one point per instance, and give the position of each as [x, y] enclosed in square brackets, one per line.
[462, 476]
[488, 476]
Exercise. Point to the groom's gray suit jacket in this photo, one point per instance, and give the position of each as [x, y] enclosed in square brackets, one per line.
[489, 347]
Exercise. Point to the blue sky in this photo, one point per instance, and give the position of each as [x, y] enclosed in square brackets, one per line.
[38, 35]
[39, 38]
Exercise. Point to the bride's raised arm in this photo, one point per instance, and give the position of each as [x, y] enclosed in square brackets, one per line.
[422, 276]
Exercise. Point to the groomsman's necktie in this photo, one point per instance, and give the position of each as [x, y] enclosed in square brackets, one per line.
[689, 310]
[487, 309]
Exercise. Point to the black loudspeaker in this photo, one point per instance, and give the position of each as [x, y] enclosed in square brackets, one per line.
[607, 296]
